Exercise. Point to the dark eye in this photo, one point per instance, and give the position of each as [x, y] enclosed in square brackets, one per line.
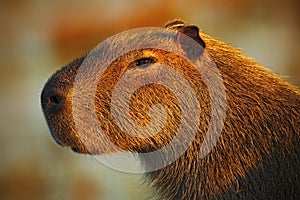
[144, 61]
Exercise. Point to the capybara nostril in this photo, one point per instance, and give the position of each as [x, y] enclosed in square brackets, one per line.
[54, 100]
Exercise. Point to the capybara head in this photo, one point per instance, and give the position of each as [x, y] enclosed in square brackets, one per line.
[231, 125]
[140, 64]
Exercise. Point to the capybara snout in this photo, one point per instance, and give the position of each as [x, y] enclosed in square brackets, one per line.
[56, 103]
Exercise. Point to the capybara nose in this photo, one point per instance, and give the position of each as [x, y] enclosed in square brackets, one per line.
[57, 89]
[51, 99]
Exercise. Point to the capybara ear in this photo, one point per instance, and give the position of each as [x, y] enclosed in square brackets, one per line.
[175, 24]
[193, 50]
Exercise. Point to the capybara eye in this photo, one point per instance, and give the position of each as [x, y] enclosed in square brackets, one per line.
[144, 61]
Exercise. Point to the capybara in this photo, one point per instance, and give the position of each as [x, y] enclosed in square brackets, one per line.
[256, 154]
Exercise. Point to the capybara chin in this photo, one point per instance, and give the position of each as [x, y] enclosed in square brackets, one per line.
[257, 155]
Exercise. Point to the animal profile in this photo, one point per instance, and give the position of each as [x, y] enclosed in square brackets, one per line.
[256, 155]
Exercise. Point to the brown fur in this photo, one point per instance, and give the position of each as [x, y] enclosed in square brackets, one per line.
[257, 154]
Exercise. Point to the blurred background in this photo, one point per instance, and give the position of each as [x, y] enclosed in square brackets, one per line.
[39, 36]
